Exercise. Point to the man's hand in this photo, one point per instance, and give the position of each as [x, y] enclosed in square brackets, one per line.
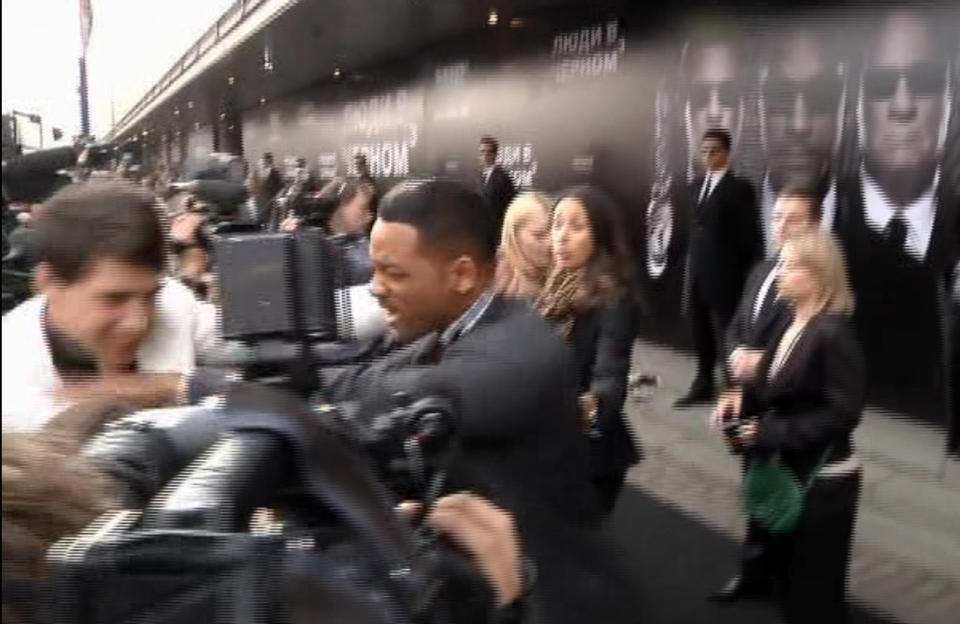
[744, 363]
[186, 227]
[728, 403]
[138, 390]
[748, 431]
[290, 224]
[588, 410]
[484, 531]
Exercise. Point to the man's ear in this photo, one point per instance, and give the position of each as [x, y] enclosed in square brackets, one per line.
[464, 274]
[45, 278]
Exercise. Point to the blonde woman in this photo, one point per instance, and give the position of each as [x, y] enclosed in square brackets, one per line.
[524, 257]
[802, 406]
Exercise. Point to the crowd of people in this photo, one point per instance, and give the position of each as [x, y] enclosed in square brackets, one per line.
[524, 306]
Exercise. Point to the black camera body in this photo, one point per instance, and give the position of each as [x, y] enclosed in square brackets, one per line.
[186, 553]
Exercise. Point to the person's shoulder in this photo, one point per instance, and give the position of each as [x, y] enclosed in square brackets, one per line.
[27, 312]
[740, 182]
[761, 269]
[175, 293]
[514, 321]
[834, 326]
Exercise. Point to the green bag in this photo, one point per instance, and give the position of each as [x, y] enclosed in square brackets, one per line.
[774, 497]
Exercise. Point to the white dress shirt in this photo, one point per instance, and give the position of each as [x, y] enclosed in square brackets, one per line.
[486, 174]
[762, 293]
[918, 216]
[710, 180]
[185, 333]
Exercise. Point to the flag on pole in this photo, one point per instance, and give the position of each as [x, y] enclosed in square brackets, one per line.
[86, 23]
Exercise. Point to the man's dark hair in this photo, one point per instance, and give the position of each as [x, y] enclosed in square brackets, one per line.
[805, 194]
[84, 223]
[492, 142]
[721, 135]
[447, 215]
[268, 156]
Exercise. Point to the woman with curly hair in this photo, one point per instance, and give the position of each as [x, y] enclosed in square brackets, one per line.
[589, 296]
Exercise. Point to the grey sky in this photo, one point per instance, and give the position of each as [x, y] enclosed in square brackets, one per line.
[133, 42]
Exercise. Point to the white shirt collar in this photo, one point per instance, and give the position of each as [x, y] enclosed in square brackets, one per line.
[919, 215]
[715, 176]
[468, 319]
[486, 173]
[828, 208]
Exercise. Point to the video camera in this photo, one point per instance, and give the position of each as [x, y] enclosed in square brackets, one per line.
[342, 554]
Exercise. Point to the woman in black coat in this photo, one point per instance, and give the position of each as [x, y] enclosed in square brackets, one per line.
[802, 405]
[587, 296]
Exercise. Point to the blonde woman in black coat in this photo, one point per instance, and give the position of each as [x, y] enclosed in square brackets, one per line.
[802, 406]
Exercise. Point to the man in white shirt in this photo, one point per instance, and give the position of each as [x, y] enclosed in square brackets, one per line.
[106, 323]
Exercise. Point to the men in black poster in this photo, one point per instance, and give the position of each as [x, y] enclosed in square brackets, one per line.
[714, 92]
[710, 96]
[725, 242]
[498, 190]
[801, 103]
[897, 221]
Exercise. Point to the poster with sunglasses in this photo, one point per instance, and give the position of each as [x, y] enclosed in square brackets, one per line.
[898, 205]
[859, 108]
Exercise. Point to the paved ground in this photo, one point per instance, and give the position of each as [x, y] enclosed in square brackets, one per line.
[906, 558]
[674, 561]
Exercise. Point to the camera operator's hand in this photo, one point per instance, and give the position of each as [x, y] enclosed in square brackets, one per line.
[728, 405]
[186, 228]
[487, 533]
[137, 389]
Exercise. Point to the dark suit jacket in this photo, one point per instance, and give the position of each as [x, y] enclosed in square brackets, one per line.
[725, 241]
[814, 401]
[903, 308]
[602, 341]
[498, 192]
[755, 333]
[273, 184]
[521, 445]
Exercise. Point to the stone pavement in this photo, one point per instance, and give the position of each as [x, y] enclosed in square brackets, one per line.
[906, 555]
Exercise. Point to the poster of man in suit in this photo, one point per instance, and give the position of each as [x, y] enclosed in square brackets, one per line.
[802, 98]
[897, 216]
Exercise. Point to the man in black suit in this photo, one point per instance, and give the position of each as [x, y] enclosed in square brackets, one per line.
[272, 181]
[497, 190]
[725, 241]
[521, 442]
[898, 216]
[761, 311]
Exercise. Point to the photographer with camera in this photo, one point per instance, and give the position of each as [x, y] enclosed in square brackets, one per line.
[521, 444]
[107, 321]
[52, 489]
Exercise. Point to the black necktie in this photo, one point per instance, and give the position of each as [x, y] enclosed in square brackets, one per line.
[706, 190]
[896, 232]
